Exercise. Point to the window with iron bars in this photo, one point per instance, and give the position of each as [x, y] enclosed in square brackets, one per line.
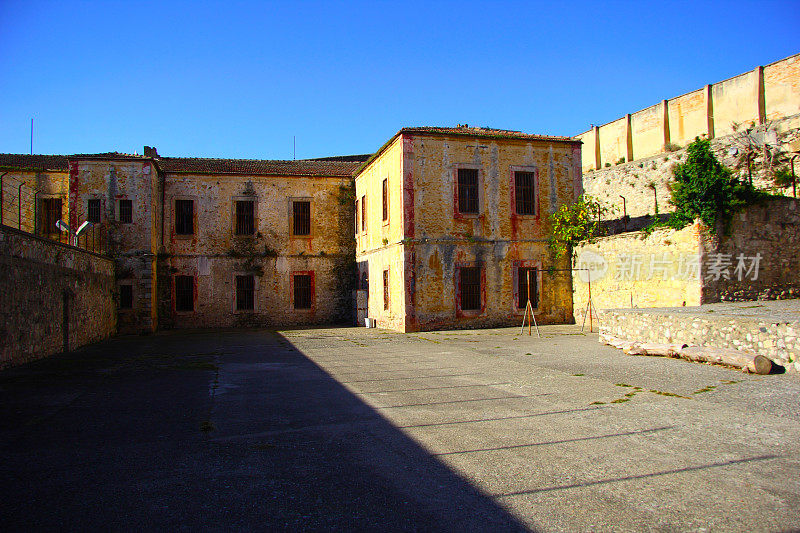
[184, 217]
[184, 293]
[468, 191]
[525, 193]
[470, 284]
[126, 211]
[93, 211]
[385, 202]
[302, 291]
[245, 292]
[49, 214]
[358, 215]
[522, 286]
[245, 217]
[364, 213]
[301, 217]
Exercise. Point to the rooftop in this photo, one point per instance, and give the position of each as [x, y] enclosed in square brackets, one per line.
[34, 162]
[486, 132]
[324, 166]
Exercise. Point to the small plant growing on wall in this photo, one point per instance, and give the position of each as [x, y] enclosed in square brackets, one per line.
[620, 160]
[672, 147]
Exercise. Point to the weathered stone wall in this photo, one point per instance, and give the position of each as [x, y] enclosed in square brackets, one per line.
[426, 240]
[636, 180]
[765, 93]
[213, 255]
[770, 231]
[37, 277]
[757, 259]
[19, 203]
[774, 338]
[133, 245]
[639, 270]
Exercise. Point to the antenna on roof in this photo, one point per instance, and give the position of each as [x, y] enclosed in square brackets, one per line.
[31, 136]
[294, 147]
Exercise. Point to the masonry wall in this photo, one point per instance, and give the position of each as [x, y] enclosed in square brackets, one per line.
[765, 93]
[379, 242]
[19, 203]
[758, 259]
[37, 277]
[213, 255]
[634, 180]
[133, 245]
[425, 240]
[770, 230]
[638, 270]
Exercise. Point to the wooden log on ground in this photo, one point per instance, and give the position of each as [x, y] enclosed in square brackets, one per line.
[663, 349]
[756, 364]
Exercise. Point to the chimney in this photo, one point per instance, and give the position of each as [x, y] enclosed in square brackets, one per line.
[150, 151]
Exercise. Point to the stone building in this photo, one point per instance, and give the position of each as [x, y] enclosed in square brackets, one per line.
[200, 242]
[450, 220]
[448, 223]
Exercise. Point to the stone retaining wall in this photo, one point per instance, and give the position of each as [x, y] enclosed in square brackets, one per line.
[776, 339]
[37, 278]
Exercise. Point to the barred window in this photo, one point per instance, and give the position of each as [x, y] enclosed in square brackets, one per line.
[301, 217]
[358, 215]
[525, 192]
[184, 217]
[386, 289]
[245, 292]
[470, 284]
[245, 217]
[385, 200]
[364, 213]
[93, 211]
[302, 291]
[522, 285]
[184, 293]
[468, 191]
[126, 211]
[126, 296]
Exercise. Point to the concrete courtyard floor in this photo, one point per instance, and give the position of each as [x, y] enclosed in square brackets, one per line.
[356, 429]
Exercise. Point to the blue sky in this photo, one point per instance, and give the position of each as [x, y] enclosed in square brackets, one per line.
[240, 79]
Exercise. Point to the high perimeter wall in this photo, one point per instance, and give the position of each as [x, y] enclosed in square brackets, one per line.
[54, 297]
[763, 94]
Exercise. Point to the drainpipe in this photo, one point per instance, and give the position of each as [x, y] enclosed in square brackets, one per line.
[624, 212]
[794, 176]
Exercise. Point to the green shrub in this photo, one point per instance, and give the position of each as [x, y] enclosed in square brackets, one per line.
[704, 189]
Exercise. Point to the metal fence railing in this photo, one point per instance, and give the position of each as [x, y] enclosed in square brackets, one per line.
[45, 214]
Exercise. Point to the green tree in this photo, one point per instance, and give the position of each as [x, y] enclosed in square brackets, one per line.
[703, 188]
[573, 223]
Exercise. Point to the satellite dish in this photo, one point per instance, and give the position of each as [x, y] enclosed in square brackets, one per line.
[83, 227]
[62, 226]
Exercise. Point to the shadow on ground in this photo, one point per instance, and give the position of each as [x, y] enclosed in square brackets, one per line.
[214, 430]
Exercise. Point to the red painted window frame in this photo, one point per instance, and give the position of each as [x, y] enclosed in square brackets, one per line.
[517, 265]
[457, 213]
[513, 188]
